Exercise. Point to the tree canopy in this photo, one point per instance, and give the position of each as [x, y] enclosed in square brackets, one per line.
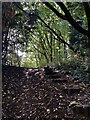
[40, 33]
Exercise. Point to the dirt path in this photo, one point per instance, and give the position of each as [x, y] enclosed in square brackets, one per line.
[37, 97]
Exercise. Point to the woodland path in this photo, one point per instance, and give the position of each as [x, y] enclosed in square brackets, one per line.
[29, 94]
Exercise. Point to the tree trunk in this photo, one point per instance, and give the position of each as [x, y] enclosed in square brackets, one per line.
[87, 11]
[51, 48]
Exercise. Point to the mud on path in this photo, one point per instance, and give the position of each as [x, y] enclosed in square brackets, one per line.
[29, 94]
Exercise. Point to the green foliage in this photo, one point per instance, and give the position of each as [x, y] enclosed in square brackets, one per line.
[78, 68]
[27, 33]
[28, 61]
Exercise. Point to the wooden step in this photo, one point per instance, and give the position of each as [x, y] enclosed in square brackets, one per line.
[72, 90]
[59, 81]
[54, 76]
[82, 110]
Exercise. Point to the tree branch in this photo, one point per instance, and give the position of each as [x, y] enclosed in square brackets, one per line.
[59, 38]
[67, 17]
[87, 11]
[54, 10]
[71, 20]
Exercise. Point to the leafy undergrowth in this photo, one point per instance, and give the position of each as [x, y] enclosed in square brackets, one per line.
[79, 70]
[29, 94]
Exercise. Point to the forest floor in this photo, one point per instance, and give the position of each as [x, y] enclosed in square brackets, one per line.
[30, 94]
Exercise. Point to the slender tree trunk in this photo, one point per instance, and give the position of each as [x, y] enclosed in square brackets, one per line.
[87, 11]
[51, 47]
[65, 52]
